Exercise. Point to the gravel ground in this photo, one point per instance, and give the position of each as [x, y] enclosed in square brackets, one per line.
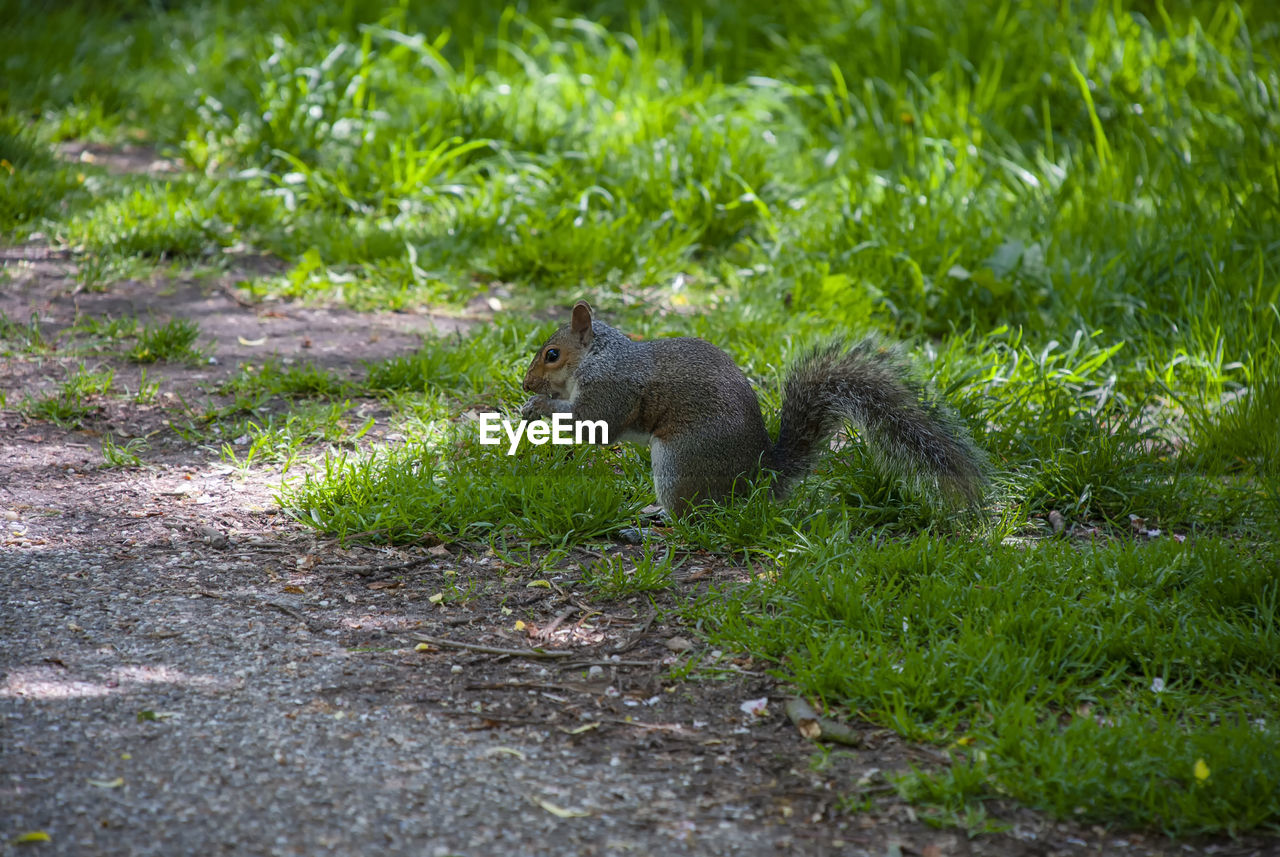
[161, 705]
[175, 697]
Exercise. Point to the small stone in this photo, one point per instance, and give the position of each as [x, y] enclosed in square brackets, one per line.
[631, 535]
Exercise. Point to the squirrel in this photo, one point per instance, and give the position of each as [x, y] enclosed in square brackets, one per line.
[700, 416]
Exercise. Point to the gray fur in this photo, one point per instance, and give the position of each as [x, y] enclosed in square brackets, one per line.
[702, 420]
[869, 385]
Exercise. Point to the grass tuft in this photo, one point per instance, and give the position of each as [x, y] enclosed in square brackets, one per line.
[451, 486]
[175, 340]
[75, 399]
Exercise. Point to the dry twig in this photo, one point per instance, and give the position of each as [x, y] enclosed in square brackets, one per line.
[818, 728]
[488, 650]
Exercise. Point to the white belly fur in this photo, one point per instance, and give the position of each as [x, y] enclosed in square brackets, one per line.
[632, 436]
[661, 460]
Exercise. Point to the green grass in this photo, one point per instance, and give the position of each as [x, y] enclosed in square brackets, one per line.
[620, 576]
[281, 438]
[28, 338]
[446, 484]
[117, 455]
[172, 341]
[277, 378]
[75, 398]
[106, 330]
[34, 186]
[1037, 664]
[1070, 213]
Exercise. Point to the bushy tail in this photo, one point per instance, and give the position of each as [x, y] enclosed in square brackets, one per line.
[870, 385]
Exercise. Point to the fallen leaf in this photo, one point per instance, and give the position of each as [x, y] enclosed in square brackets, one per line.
[538, 584]
[559, 811]
[252, 343]
[586, 727]
[31, 837]
[504, 751]
[108, 784]
[147, 714]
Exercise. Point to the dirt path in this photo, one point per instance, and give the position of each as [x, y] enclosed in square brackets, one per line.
[188, 671]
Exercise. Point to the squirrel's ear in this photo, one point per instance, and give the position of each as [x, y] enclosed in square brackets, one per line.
[581, 321]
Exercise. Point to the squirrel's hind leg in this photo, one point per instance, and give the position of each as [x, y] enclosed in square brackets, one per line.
[682, 481]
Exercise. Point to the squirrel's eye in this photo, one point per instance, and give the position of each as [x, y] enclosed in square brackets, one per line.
[553, 354]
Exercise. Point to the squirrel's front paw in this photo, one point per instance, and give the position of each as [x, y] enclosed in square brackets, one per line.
[538, 406]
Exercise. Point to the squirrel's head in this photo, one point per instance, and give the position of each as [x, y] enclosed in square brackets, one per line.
[551, 372]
